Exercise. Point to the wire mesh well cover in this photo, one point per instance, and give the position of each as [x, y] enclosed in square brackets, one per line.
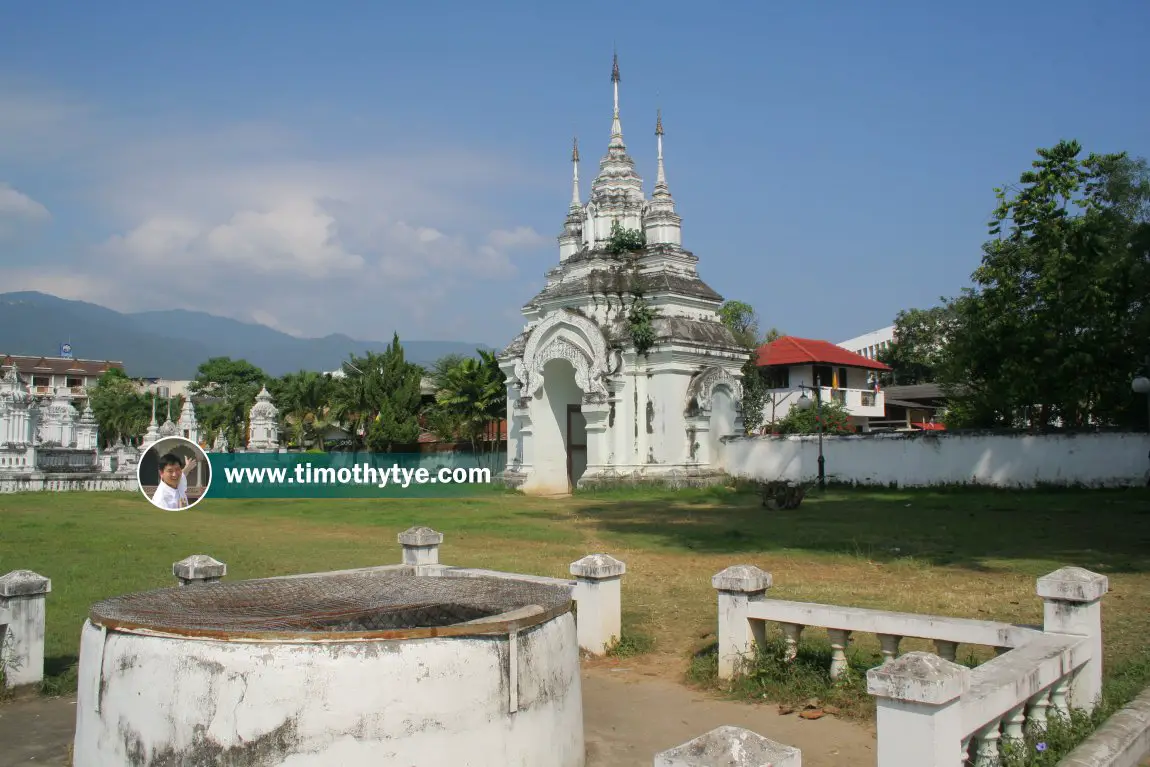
[345, 605]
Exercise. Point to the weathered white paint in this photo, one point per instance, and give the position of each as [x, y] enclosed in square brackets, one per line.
[1122, 741]
[599, 597]
[22, 618]
[933, 712]
[927, 459]
[730, 747]
[35, 482]
[647, 415]
[465, 700]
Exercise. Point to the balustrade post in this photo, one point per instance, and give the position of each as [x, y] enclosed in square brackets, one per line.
[420, 546]
[1072, 600]
[946, 650]
[840, 640]
[738, 586]
[732, 747]
[198, 569]
[23, 598]
[889, 646]
[792, 635]
[919, 699]
[598, 601]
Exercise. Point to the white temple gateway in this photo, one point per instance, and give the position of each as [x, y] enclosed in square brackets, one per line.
[624, 371]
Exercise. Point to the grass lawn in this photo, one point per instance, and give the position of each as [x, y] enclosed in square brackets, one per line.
[967, 553]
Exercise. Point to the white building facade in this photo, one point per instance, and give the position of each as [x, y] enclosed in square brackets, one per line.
[623, 371]
[871, 344]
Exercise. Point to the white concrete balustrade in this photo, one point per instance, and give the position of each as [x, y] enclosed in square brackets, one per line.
[933, 712]
[23, 595]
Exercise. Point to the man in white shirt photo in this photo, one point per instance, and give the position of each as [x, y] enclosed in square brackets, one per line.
[172, 492]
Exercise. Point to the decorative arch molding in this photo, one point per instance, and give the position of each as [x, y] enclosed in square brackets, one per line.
[704, 383]
[570, 336]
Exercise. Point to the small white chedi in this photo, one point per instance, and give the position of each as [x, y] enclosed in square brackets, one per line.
[624, 371]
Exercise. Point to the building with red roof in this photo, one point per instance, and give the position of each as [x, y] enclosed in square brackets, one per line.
[795, 366]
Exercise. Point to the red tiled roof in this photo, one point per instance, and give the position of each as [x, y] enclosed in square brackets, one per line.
[790, 350]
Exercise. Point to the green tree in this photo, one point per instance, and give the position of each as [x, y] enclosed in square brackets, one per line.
[471, 400]
[1054, 326]
[229, 388]
[302, 399]
[919, 349]
[397, 397]
[741, 320]
[122, 411]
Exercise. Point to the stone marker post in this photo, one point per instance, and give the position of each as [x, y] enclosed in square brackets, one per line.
[420, 546]
[919, 699]
[730, 747]
[198, 569]
[599, 601]
[738, 586]
[23, 595]
[1072, 600]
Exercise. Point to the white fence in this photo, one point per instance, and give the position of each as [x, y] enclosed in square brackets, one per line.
[933, 712]
[931, 458]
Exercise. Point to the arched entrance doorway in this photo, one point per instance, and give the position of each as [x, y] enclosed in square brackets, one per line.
[561, 435]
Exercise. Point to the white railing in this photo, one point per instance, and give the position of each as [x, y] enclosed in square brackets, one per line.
[933, 712]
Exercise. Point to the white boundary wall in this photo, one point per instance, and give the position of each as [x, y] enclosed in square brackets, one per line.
[918, 459]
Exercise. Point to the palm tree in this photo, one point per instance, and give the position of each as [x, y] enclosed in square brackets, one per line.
[471, 396]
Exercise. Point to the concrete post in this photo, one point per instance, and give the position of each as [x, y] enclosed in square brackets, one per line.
[731, 747]
[919, 701]
[23, 595]
[738, 586]
[198, 569]
[1072, 600]
[420, 546]
[598, 601]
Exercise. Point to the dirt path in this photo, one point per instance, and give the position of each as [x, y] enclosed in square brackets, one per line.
[629, 717]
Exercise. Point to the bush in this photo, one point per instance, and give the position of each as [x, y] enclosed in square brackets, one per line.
[832, 416]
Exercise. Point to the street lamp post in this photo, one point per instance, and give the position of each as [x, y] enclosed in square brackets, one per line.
[804, 403]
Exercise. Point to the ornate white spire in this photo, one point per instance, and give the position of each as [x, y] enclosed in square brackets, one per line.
[662, 225]
[153, 432]
[617, 191]
[661, 188]
[616, 125]
[575, 202]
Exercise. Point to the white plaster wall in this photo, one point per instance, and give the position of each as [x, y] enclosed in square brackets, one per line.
[549, 419]
[723, 416]
[143, 699]
[919, 460]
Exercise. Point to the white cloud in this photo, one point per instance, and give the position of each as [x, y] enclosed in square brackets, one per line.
[14, 204]
[249, 221]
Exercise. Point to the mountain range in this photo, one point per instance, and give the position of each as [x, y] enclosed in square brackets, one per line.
[172, 344]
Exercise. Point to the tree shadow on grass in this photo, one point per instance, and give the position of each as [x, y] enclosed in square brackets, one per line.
[1103, 530]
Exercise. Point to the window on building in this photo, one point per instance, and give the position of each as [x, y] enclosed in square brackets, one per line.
[777, 378]
[842, 381]
[822, 375]
[73, 383]
[41, 380]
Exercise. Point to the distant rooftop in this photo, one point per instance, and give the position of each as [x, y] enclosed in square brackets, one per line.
[28, 365]
[791, 350]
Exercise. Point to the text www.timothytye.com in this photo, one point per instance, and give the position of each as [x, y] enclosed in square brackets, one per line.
[364, 474]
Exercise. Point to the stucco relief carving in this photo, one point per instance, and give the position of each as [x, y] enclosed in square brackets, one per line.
[703, 386]
[576, 339]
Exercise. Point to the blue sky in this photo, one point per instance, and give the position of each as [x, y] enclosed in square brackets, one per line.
[362, 167]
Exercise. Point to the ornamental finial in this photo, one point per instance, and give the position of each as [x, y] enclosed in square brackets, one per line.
[575, 150]
[658, 122]
[615, 68]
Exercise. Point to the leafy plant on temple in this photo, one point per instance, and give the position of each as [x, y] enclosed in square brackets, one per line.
[625, 240]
